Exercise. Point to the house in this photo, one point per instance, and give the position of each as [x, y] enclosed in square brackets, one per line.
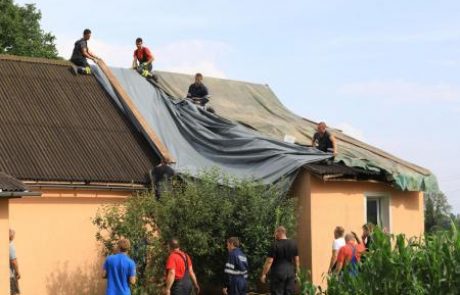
[83, 142]
[63, 137]
[365, 184]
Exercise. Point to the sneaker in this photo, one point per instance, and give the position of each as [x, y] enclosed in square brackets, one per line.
[74, 69]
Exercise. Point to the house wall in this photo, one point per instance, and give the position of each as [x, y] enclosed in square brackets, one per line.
[343, 203]
[55, 241]
[4, 248]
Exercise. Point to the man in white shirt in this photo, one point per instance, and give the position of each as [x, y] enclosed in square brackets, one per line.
[339, 242]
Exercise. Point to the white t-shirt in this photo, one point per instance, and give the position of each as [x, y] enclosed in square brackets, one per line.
[338, 243]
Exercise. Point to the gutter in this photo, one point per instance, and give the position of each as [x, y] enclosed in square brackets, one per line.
[19, 194]
[41, 186]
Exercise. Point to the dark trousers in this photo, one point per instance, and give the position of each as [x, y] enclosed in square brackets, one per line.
[282, 284]
[238, 286]
[182, 286]
[80, 62]
[14, 286]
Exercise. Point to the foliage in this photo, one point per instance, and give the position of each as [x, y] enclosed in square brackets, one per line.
[417, 266]
[133, 221]
[20, 32]
[202, 213]
[437, 212]
[305, 285]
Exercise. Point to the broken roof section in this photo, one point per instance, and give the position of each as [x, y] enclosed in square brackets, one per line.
[256, 106]
[55, 126]
[199, 140]
[11, 187]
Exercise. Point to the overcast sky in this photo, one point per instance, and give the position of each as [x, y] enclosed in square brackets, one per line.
[383, 71]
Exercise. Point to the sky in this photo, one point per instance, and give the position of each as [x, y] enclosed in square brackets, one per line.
[386, 72]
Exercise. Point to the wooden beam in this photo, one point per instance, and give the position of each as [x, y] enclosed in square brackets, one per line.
[126, 100]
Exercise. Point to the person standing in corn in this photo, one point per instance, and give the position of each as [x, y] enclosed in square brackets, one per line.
[81, 53]
[143, 59]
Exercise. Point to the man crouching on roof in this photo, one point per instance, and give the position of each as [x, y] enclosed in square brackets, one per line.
[81, 53]
[144, 57]
[197, 91]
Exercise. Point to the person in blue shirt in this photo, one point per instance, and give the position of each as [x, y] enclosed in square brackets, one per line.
[236, 269]
[120, 270]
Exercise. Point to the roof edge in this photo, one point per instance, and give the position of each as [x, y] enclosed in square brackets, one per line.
[39, 60]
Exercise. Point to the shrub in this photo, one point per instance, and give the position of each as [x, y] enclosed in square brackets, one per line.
[417, 266]
[202, 213]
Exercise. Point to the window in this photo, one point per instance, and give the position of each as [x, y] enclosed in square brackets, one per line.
[378, 210]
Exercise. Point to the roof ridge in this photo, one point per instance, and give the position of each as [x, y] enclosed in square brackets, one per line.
[217, 78]
[39, 60]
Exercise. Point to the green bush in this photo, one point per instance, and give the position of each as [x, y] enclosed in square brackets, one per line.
[202, 213]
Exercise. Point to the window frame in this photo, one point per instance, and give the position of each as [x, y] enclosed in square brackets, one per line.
[379, 196]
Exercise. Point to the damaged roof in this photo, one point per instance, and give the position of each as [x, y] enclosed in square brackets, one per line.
[55, 126]
[257, 107]
[11, 184]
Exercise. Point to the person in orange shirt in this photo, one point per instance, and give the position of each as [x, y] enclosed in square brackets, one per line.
[143, 59]
[179, 272]
[349, 254]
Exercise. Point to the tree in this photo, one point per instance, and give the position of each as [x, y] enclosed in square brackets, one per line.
[437, 212]
[21, 34]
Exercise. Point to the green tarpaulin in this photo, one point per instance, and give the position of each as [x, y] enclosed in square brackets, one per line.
[257, 107]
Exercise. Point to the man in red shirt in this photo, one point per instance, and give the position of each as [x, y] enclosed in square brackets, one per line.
[350, 253]
[180, 275]
[143, 59]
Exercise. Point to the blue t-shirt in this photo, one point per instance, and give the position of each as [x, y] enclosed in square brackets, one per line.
[119, 268]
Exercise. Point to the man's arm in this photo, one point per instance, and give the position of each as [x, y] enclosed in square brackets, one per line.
[170, 280]
[134, 63]
[194, 280]
[14, 263]
[340, 261]
[132, 275]
[333, 260]
[132, 280]
[267, 266]
[334, 144]
[189, 93]
[339, 267]
[86, 53]
[150, 56]
[313, 140]
[205, 91]
[297, 264]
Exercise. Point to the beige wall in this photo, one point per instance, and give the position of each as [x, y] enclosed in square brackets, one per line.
[343, 203]
[4, 248]
[55, 241]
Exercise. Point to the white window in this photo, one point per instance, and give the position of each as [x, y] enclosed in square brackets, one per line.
[377, 209]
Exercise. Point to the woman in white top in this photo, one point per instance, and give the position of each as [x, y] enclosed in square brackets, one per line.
[338, 243]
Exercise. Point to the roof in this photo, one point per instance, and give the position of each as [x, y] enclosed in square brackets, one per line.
[257, 107]
[55, 126]
[331, 171]
[200, 141]
[11, 184]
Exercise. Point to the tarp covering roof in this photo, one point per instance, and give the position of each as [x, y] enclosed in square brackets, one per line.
[199, 140]
[257, 106]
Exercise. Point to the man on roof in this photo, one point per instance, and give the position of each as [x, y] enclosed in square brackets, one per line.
[198, 92]
[323, 140]
[143, 59]
[81, 53]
